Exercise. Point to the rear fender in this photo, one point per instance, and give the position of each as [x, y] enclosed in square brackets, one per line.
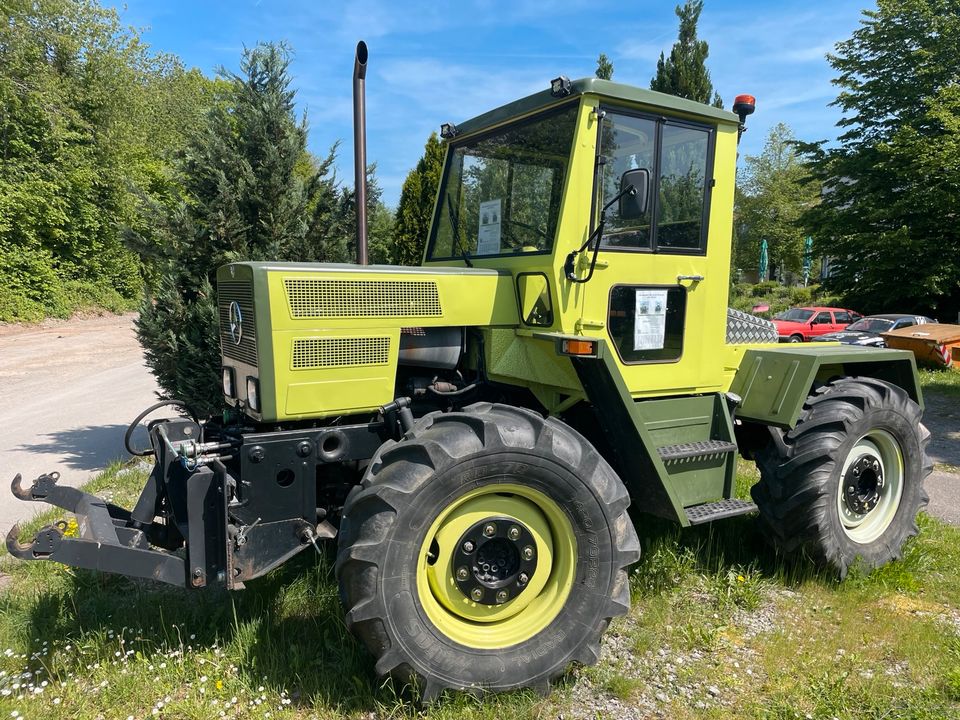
[773, 383]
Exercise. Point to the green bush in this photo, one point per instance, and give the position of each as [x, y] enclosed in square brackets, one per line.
[745, 296]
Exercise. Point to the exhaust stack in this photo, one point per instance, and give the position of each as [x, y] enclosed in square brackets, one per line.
[360, 148]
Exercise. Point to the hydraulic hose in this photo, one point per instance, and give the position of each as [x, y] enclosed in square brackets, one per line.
[128, 435]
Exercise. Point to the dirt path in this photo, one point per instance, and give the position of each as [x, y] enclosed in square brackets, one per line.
[67, 391]
[942, 418]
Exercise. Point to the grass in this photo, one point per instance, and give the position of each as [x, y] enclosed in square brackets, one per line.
[721, 627]
[945, 382]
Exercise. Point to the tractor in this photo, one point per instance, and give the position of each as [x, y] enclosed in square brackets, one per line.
[472, 431]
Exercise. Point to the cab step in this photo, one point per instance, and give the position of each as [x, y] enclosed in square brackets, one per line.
[708, 512]
[698, 450]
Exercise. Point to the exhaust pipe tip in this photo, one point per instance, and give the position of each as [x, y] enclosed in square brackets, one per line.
[360, 61]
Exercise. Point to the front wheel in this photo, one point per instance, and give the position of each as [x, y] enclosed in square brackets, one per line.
[485, 550]
[796, 338]
[847, 482]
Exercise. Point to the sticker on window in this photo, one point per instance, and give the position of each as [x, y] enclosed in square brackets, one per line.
[650, 320]
[488, 240]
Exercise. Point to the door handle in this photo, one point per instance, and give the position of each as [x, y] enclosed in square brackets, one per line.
[691, 278]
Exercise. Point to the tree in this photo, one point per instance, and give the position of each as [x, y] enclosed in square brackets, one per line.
[252, 192]
[604, 69]
[684, 73]
[415, 209]
[773, 193]
[889, 210]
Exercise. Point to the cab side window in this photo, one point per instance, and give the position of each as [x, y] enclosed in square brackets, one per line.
[843, 318]
[822, 318]
[627, 143]
[683, 174]
[678, 157]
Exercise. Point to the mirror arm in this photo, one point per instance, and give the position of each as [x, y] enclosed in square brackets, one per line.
[569, 265]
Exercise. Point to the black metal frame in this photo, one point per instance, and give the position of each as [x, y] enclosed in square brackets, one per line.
[222, 505]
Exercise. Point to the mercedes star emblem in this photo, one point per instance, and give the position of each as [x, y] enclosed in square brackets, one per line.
[236, 323]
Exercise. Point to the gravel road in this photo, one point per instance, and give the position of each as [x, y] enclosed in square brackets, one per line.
[68, 389]
[942, 417]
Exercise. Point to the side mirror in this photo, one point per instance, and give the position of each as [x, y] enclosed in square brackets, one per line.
[634, 192]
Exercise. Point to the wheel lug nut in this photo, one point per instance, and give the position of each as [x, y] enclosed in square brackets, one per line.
[476, 594]
[528, 553]
[462, 573]
[851, 489]
[490, 530]
[502, 596]
[468, 547]
[513, 533]
[523, 578]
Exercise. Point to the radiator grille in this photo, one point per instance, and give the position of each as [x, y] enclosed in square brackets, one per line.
[338, 352]
[241, 292]
[314, 298]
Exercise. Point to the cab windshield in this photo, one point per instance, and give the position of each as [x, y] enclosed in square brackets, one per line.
[501, 192]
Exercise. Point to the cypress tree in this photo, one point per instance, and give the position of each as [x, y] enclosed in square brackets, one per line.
[251, 192]
[415, 209]
[604, 69]
[685, 73]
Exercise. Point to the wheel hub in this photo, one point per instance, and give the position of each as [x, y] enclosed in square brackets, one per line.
[863, 484]
[494, 560]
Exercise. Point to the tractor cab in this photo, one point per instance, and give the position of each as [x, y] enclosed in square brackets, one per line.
[611, 207]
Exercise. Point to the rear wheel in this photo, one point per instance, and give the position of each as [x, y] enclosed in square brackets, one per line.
[847, 481]
[487, 549]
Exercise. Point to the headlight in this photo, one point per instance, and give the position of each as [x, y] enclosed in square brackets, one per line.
[253, 393]
[229, 389]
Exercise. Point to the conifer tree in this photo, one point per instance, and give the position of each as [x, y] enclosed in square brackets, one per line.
[252, 192]
[604, 69]
[415, 209]
[685, 73]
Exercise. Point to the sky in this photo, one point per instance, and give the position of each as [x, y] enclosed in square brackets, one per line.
[433, 61]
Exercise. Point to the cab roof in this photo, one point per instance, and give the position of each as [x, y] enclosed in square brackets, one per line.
[607, 90]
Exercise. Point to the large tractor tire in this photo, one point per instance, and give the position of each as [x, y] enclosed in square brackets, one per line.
[846, 484]
[487, 550]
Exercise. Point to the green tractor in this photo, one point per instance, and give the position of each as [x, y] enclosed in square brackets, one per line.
[471, 432]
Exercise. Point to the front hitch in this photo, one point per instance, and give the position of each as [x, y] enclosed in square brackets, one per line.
[105, 539]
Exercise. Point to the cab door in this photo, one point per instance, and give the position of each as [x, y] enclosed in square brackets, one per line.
[656, 296]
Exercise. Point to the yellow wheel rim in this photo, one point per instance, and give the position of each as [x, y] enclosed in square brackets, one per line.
[501, 625]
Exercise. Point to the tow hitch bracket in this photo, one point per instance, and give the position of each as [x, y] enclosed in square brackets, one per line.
[105, 540]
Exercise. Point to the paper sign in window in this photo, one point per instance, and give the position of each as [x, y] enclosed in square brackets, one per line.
[488, 239]
[650, 320]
